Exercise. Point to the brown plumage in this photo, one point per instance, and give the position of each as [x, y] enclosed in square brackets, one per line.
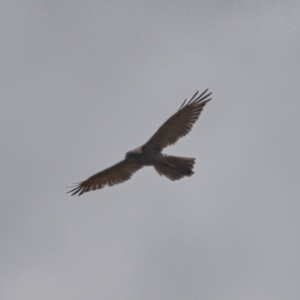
[118, 173]
[172, 167]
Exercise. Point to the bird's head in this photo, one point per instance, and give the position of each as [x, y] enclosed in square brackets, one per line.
[134, 154]
[129, 155]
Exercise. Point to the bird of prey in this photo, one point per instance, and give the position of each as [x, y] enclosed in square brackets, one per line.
[149, 154]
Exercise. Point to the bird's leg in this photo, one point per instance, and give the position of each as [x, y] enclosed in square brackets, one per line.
[169, 163]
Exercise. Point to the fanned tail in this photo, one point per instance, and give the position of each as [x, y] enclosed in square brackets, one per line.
[175, 167]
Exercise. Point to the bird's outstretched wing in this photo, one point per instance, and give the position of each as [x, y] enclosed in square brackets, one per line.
[180, 124]
[118, 173]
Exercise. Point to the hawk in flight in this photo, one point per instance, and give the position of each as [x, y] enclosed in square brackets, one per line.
[173, 167]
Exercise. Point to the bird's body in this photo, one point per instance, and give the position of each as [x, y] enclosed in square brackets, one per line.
[144, 156]
[150, 154]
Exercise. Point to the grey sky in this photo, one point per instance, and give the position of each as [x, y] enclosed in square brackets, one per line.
[83, 82]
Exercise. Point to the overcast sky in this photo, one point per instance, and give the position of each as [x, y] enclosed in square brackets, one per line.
[83, 82]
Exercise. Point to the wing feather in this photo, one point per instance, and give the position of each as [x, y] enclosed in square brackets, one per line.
[116, 174]
[180, 124]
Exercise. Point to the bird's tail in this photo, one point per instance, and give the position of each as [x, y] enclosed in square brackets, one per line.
[175, 167]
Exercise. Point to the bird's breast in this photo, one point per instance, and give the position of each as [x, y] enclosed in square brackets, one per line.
[145, 157]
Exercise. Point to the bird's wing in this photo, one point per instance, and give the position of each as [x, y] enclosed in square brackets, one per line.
[118, 173]
[180, 124]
